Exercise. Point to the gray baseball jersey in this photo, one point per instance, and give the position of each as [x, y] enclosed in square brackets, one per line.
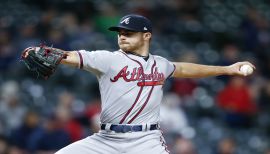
[131, 93]
[130, 87]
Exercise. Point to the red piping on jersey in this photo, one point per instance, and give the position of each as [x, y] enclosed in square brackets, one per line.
[139, 94]
[130, 109]
[146, 99]
[163, 143]
[142, 106]
[172, 71]
[81, 59]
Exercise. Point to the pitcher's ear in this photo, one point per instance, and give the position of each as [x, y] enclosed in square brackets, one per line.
[147, 36]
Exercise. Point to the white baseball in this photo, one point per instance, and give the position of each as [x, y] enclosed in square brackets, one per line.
[246, 69]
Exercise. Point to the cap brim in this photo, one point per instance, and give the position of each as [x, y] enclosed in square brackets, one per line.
[117, 28]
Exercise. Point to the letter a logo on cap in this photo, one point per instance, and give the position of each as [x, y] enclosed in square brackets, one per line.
[126, 21]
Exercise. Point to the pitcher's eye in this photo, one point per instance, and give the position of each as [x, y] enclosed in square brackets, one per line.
[126, 33]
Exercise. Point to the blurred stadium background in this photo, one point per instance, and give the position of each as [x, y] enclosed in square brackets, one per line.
[220, 115]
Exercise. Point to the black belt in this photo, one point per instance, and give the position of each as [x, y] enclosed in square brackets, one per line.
[129, 128]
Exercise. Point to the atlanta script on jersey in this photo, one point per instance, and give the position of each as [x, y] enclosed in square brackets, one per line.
[127, 84]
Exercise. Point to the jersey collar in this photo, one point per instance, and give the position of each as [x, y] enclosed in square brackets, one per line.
[135, 54]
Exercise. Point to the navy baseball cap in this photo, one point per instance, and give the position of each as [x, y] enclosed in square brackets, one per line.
[133, 22]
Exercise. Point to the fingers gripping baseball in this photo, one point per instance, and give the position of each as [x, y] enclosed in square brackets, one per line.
[241, 68]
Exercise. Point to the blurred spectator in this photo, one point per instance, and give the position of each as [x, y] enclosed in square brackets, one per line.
[108, 16]
[3, 145]
[67, 116]
[46, 22]
[92, 114]
[256, 36]
[7, 49]
[250, 29]
[11, 111]
[15, 150]
[267, 151]
[70, 124]
[183, 146]
[57, 39]
[226, 146]
[265, 97]
[69, 23]
[230, 54]
[185, 86]
[255, 30]
[173, 118]
[236, 101]
[52, 137]
[264, 106]
[28, 37]
[23, 137]
[66, 101]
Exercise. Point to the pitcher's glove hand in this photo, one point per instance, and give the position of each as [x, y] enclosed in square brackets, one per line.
[43, 60]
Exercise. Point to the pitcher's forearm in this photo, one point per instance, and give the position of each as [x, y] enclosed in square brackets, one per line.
[190, 70]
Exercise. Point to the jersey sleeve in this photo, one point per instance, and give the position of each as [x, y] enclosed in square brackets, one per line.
[170, 69]
[168, 66]
[95, 61]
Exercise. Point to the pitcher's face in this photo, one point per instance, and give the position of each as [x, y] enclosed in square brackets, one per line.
[129, 40]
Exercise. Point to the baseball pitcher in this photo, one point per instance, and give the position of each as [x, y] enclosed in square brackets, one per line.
[131, 85]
